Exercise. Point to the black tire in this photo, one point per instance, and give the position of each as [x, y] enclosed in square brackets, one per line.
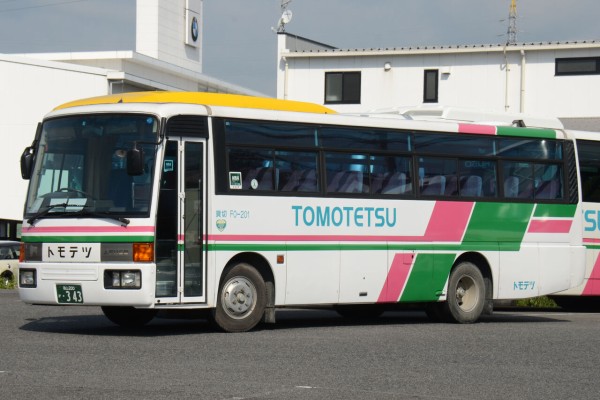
[128, 317]
[242, 299]
[466, 294]
[7, 278]
[362, 311]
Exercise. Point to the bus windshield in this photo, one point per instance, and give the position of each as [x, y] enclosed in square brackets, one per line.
[81, 167]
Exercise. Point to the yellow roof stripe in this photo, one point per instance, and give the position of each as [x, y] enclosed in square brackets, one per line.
[209, 99]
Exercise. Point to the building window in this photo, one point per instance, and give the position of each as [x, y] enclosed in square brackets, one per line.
[430, 87]
[342, 87]
[578, 66]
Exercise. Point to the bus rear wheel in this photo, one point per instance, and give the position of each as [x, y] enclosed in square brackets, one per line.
[242, 299]
[128, 317]
[466, 294]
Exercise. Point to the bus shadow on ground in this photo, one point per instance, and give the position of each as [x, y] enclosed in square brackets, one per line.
[98, 325]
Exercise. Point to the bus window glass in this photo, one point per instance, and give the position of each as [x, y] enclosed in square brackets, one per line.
[363, 139]
[477, 178]
[297, 171]
[267, 133]
[437, 176]
[464, 145]
[548, 181]
[589, 167]
[530, 149]
[518, 179]
[82, 163]
[391, 175]
[256, 168]
[347, 173]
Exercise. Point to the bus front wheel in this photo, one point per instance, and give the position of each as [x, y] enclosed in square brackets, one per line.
[242, 299]
[466, 294]
[128, 317]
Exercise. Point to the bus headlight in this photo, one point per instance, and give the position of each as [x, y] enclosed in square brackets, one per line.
[27, 278]
[119, 279]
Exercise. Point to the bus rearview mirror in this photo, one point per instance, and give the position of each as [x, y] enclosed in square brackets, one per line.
[135, 161]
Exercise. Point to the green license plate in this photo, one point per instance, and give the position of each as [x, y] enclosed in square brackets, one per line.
[69, 294]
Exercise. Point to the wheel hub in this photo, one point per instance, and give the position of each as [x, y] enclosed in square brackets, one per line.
[239, 296]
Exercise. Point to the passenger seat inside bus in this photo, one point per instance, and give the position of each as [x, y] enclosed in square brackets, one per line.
[303, 180]
[471, 186]
[393, 183]
[346, 182]
[434, 186]
[511, 187]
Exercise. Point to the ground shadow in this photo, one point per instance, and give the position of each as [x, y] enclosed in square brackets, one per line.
[98, 325]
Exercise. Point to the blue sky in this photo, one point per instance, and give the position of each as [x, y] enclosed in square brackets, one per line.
[240, 47]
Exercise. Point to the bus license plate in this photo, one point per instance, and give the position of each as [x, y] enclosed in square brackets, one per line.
[69, 294]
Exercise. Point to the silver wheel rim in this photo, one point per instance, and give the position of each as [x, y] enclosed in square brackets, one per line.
[238, 297]
[467, 294]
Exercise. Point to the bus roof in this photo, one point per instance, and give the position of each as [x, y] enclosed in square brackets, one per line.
[205, 99]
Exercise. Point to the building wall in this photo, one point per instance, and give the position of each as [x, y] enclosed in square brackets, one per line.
[31, 89]
[161, 31]
[487, 80]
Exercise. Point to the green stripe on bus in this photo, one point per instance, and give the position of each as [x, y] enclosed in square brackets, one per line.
[428, 277]
[87, 239]
[498, 222]
[458, 247]
[526, 132]
[555, 210]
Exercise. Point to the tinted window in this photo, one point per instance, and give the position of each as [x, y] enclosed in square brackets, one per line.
[344, 138]
[272, 134]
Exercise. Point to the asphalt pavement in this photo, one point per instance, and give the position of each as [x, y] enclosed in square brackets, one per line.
[75, 352]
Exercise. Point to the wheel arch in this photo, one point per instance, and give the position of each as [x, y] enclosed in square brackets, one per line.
[482, 263]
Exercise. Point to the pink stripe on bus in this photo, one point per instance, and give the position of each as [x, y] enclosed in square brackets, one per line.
[88, 229]
[478, 129]
[550, 226]
[448, 221]
[592, 287]
[396, 278]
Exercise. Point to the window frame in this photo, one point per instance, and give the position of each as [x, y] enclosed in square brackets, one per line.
[568, 60]
[345, 97]
[426, 82]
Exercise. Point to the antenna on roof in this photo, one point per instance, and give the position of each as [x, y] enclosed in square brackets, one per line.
[512, 23]
[286, 16]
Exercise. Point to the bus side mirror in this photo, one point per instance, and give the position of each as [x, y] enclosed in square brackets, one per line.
[27, 162]
[135, 161]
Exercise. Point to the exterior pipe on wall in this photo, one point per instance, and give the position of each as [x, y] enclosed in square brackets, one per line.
[522, 98]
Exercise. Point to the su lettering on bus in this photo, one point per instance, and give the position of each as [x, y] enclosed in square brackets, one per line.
[344, 216]
[592, 220]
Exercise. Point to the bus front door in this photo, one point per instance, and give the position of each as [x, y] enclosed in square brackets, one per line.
[180, 250]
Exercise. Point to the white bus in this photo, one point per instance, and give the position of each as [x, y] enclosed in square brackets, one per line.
[147, 202]
[587, 295]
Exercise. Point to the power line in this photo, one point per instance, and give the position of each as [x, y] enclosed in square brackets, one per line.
[41, 5]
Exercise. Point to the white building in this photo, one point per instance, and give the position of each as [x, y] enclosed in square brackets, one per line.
[168, 56]
[546, 79]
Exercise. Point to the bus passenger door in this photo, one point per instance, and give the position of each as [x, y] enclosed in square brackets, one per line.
[180, 250]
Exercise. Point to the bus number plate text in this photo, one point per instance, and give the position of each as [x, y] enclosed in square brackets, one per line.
[69, 294]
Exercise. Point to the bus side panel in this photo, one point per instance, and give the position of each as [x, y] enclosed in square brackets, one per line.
[362, 275]
[313, 277]
[520, 273]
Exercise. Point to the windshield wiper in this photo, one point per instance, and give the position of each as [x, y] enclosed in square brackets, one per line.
[87, 213]
[80, 213]
[45, 212]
